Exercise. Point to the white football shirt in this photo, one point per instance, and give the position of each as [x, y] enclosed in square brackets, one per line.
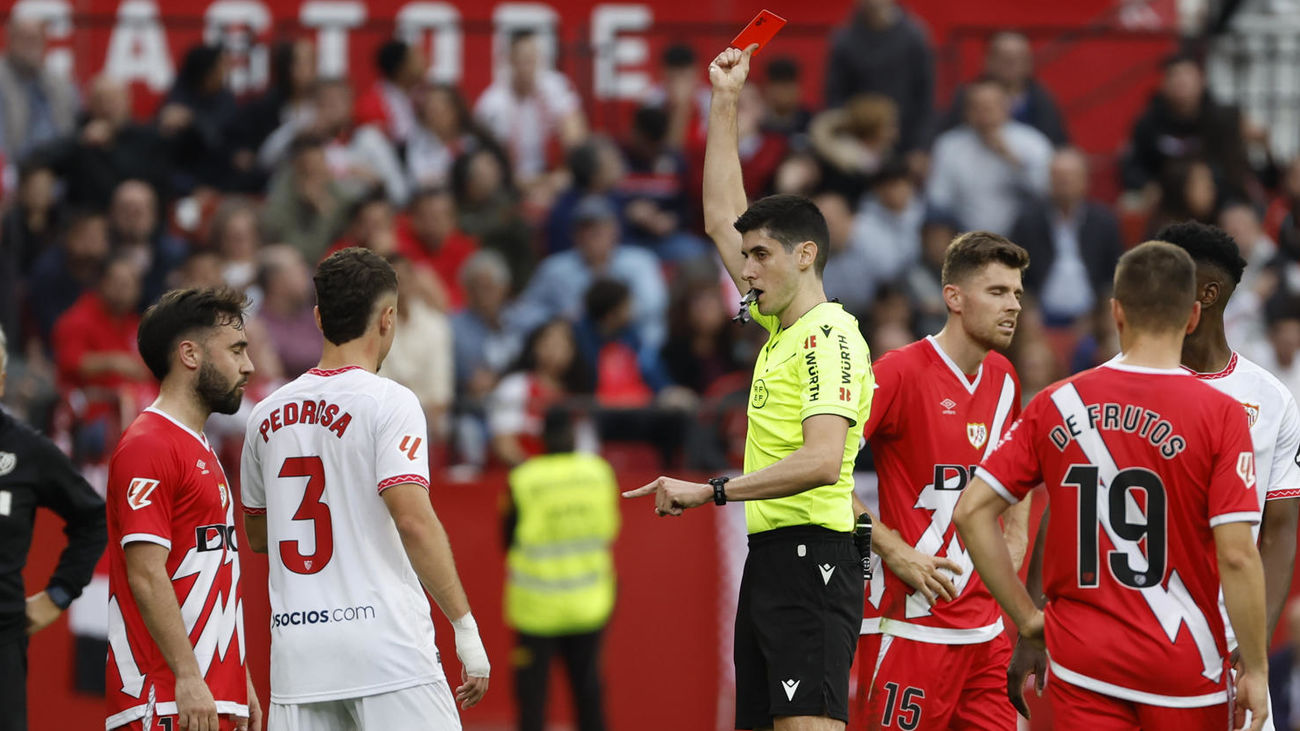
[1274, 433]
[348, 615]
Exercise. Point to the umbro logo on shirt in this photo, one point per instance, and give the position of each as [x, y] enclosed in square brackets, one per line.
[948, 406]
[202, 466]
[827, 570]
[790, 686]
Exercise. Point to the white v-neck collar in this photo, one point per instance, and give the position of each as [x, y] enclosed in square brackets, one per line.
[200, 437]
[956, 371]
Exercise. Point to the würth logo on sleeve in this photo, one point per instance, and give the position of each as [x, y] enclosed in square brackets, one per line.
[138, 492]
[1246, 468]
[409, 445]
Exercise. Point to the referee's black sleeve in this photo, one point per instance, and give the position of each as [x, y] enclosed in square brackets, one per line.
[67, 493]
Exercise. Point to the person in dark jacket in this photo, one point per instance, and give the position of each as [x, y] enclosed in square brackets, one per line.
[1182, 122]
[1073, 243]
[197, 119]
[884, 49]
[1010, 62]
[1284, 675]
[35, 474]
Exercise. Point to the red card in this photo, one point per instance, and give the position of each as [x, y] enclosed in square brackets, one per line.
[760, 30]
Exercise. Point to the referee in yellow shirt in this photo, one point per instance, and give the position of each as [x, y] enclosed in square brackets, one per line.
[800, 605]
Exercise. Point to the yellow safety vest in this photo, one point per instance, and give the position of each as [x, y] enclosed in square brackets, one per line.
[560, 569]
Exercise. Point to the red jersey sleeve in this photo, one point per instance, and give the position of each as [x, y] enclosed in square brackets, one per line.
[1013, 468]
[1232, 495]
[142, 482]
[881, 422]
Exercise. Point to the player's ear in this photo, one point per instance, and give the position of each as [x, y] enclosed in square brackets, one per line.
[315, 311]
[1209, 294]
[1117, 314]
[807, 254]
[187, 354]
[952, 297]
[1195, 318]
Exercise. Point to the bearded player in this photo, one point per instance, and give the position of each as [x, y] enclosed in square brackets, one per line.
[941, 404]
[1152, 480]
[175, 617]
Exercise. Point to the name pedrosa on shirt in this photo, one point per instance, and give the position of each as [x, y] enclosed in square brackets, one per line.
[320, 413]
[1127, 418]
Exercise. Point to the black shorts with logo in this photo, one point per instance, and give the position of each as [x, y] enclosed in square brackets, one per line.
[797, 625]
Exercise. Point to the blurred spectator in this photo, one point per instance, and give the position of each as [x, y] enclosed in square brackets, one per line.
[197, 118]
[983, 170]
[1073, 243]
[107, 149]
[27, 229]
[235, 240]
[529, 106]
[923, 284]
[1284, 674]
[306, 206]
[786, 113]
[387, 103]
[359, 156]
[596, 169]
[1187, 193]
[430, 240]
[1099, 342]
[1037, 366]
[1281, 357]
[761, 152]
[887, 227]
[850, 275]
[371, 225]
[35, 104]
[682, 94]
[488, 210]
[63, 273]
[1281, 213]
[1182, 122]
[1009, 61]
[853, 142]
[884, 49]
[627, 374]
[484, 347]
[287, 311]
[658, 208]
[421, 357]
[557, 289]
[445, 131]
[547, 373]
[202, 269]
[134, 232]
[1243, 317]
[701, 346]
[95, 352]
[287, 96]
[798, 174]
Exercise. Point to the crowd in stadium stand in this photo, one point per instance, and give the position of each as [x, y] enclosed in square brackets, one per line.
[542, 260]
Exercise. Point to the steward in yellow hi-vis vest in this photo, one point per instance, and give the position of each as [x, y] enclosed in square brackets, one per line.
[560, 583]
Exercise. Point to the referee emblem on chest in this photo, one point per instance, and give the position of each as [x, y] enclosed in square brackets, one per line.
[8, 461]
[977, 433]
[758, 394]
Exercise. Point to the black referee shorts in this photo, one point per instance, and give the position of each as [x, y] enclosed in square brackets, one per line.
[797, 625]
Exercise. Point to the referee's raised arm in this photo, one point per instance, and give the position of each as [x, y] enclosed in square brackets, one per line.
[724, 189]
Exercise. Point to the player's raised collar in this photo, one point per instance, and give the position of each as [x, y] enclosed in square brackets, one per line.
[956, 370]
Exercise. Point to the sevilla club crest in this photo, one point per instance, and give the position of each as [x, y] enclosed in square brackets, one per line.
[1252, 413]
[978, 434]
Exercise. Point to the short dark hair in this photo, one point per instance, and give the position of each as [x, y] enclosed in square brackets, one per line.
[651, 122]
[678, 55]
[971, 251]
[557, 431]
[1206, 244]
[390, 57]
[792, 220]
[428, 192]
[305, 142]
[1155, 283]
[783, 68]
[348, 286]
[180, 313]
[604, 296]
[520, 35]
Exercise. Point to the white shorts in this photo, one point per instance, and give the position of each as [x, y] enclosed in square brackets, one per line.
[428, 707]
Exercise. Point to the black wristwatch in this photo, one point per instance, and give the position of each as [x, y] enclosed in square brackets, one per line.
[719, 490]
[59, 596]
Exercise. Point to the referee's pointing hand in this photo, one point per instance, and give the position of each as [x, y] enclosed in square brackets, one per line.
[672, 497]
